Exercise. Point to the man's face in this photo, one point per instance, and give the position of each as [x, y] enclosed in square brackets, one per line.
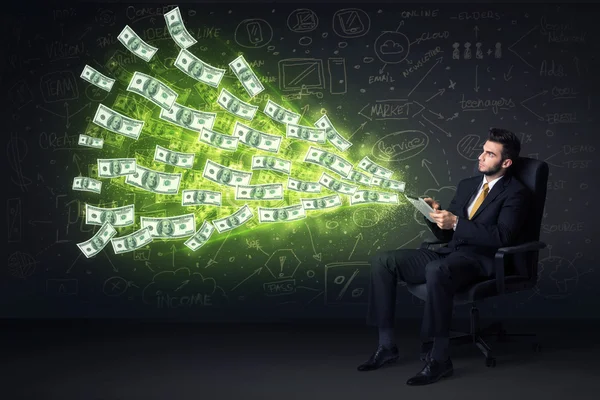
[167, 227]
[490, 160]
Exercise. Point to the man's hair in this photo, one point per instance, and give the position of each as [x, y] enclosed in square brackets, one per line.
[511, 145]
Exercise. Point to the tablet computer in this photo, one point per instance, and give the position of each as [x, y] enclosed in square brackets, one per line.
[421, 205]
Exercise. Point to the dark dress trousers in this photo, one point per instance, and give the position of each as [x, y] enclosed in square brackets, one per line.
[468, 256]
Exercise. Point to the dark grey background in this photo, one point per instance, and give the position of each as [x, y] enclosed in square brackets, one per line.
[543, 81]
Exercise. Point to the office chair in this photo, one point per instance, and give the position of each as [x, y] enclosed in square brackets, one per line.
[516, 267]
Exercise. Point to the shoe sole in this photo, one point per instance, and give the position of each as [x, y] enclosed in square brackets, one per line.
[390, 361]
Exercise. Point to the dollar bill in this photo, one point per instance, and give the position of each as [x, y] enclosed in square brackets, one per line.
[237, 219]
[320, 203]
[282, 214]
[270, 163]
[336, 185]
[369, 166]
[224, 175]
[358, 177]
[115, 167]
[257, 139]
[236, 106]
[153, 90]
[118, 216]
[188, 118]
[88, 141]
[135, 44]
[93, 246]
[303, 186]
[373, 196]
[332, 135]
[247, 77]
[328, 160]
[174, 158]
[389, 184]
[200, 238]
[96, 78]
[279, 114]
[218, 140]
[170, 227]
[133, 241]
[310, 134]
[154, 181]
[269, 191]
[197, 69]
[117, 123]
[199, 197]
[85, 184]
[177, 29]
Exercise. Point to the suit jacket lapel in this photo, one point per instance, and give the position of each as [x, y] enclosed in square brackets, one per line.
[465, 203]
[496, 190]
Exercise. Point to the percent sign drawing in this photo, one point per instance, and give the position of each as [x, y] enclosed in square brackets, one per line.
[346, 283]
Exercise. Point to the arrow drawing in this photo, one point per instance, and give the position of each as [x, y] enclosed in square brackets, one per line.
[476, 29]
[359, 237]
[256, 271]
[358, 129]
[543, 92]
[576, 61]
[447, 133]
[476, 88]
[316, 256]
[212, 260]
[510, 48]
[426, 163]
[418, 236]
[439, 60]
[506, 75]
[439, 93]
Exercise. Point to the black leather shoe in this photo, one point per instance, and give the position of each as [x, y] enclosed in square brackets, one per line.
[432, 372]
[382, 356]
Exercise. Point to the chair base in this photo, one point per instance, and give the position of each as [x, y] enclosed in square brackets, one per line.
[477, 335]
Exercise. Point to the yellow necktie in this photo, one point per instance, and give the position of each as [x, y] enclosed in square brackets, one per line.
[479, 200]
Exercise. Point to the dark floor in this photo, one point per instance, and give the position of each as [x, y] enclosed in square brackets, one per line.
[93, 360]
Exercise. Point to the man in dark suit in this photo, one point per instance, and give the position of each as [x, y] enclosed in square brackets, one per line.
[486, 213]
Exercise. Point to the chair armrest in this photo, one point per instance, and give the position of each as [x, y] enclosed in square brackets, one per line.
[431, 241]
[499, 260]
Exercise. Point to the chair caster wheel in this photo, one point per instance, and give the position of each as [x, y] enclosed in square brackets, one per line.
[536, 347]
[490, 362]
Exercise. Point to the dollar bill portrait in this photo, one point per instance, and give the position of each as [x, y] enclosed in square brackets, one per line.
[279, 115]
[85, 183]
[112, 168]
[245, 74]
[97, 243]
[195, 69]
[335, 185]
[176, 28]
[354, 176]
[108, 216]
[327, 159]
[89, 140]
[134, 43]
[232, 221]
[385, 183]
[197, 197]
[370, 196]
[304, 133]
[253, 138]
[172, 158]
[95, 77]
[115, 122]
[150, 87]
[303, 186]
[330, 132]
[280, 215]
[184, 116]
[130, 243]
[165, 228]
[372, 168]
[150, 180]
[233, 105]
[270, 162]
[257, 193]
[201, 238]
[224, 175]
[319, 203]
[216, 139]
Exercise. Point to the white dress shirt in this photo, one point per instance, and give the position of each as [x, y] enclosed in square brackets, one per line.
[490, 186]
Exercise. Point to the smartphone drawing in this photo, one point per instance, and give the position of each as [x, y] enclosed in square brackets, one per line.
[254, 32]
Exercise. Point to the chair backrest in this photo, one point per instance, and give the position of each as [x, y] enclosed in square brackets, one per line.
[533, 174]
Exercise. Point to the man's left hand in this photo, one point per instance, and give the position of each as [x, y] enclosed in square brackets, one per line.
[444, 219]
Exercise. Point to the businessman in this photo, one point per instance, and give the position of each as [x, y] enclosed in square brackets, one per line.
[486, 213]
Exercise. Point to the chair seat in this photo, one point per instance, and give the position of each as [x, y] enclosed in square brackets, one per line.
[475, 292]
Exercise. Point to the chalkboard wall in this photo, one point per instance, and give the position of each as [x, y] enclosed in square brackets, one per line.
[412, 88]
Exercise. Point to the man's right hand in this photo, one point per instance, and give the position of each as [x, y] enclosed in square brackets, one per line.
[432, 203]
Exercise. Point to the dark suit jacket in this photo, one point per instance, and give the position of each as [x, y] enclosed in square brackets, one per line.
[497, 223]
